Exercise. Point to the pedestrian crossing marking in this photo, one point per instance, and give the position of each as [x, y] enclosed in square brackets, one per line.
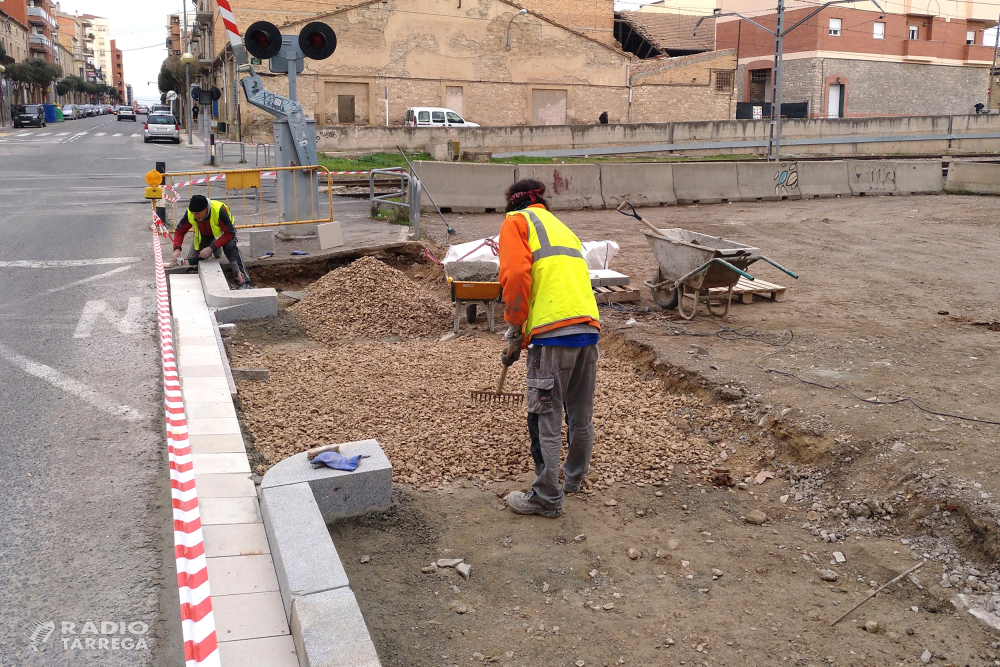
[99, 134]
[135, 135]
[44, 134]
[25, 134]
[117, 134]
[62, 134]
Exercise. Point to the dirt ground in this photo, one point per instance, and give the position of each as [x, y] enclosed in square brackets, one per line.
[889, 293]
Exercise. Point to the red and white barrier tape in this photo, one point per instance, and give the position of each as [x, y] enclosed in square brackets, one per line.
[197, 620]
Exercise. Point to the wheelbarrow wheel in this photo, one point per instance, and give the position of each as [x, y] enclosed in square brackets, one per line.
[665, 299]
[471, 313]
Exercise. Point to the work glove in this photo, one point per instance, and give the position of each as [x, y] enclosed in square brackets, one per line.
[508, 360]
[514, 338]
[514, 335]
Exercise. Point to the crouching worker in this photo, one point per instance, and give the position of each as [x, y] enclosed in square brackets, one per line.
[214, 234]
[550, 307]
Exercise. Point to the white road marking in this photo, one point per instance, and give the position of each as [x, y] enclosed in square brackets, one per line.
[136, 135]
[101, 134]
[68, 384]
[62, 134]
[23, 134]
[90, 279]
[126, 323]
[45, 134]
[55, 263]
[118, 134]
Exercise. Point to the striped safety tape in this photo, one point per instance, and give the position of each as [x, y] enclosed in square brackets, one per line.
[197, 619]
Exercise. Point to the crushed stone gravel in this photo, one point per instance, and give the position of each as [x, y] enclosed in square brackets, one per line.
[368, 299]
[414, 398]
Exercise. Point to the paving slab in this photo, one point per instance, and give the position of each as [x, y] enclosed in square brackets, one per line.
[213, 464]
[215, 511]
[213, 426]
[205, 383]
[217, 444]
[216, 370]
[204, 395]
[235, 539]
[235, 575]
[260, 652]
[227, 485]
[248, 616]
[219, 410]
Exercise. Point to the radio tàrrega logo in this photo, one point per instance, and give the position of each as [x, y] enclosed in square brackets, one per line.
[40, 633]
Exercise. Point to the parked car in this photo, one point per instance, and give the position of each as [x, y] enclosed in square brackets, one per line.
[70, 112]
[86, 111]
[143, 109]
[29, 115]
[126, 113]
[435, 117]
[161, 126]
[160, 108]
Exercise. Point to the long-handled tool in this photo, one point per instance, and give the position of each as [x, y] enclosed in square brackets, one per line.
[635, 214]
[451, 230]
[500, 397]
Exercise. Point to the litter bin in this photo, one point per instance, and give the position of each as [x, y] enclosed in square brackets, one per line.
[50, 113]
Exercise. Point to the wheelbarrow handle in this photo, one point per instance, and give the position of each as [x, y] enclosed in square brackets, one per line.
[775, 265]
[719, 260]
[680, 281]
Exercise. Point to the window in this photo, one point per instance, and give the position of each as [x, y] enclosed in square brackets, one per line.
[424, 117]
[454, 118]
[970, 37]
[723, 82]
[879, 31]
[914, 32]
[437, 116]
[835, 27]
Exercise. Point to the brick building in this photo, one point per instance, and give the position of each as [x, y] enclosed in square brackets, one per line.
[434, 53]
[43, 31]
[14, 29]
[175, 40]
[117, 71]
[847, 62]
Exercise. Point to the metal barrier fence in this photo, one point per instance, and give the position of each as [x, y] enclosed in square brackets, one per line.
[253, 193]
[408, 194]
[220, 152]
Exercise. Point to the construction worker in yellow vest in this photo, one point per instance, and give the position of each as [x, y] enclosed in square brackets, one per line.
[552, 312]
[214, 234]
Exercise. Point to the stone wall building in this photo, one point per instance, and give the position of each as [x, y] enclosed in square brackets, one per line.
[847, 62]
[14, 29]
[436, 53]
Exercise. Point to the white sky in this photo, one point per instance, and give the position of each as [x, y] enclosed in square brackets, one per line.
[133, 25]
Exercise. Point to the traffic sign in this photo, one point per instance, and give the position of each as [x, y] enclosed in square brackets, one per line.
[171, 96]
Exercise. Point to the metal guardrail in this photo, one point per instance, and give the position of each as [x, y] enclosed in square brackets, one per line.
[409, 192]
[220, 152]
[762, 143]
[246, 189]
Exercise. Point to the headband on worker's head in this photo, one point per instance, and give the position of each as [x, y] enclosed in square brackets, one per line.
[532, 194]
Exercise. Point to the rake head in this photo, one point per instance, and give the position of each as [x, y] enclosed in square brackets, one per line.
[505, 399]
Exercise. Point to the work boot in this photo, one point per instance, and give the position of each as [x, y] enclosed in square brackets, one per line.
[527, 503]
[570, 487]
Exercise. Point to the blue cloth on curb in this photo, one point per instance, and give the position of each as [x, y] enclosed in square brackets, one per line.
[337, 461]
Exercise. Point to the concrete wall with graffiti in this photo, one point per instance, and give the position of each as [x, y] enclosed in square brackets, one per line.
[582, 186]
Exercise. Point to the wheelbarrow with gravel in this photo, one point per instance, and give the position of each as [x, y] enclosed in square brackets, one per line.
[691, 264]
[474, 285]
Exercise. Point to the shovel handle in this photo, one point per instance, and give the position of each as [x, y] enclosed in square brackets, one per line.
[653, 228]
[503, 369]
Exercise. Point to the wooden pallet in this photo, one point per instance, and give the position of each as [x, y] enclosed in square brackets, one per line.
[616, 294]
[746, 289]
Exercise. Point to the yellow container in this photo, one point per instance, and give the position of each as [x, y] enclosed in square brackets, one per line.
[466, 291]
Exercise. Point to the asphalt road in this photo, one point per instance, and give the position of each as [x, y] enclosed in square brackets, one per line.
[85, 521]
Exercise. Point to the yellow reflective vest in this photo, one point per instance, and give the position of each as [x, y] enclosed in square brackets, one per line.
[216, 207]
[560, 278]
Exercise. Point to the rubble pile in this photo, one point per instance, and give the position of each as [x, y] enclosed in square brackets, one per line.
[369, 300]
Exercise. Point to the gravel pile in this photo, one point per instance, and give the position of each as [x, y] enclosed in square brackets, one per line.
[370, 300]
[414, 398]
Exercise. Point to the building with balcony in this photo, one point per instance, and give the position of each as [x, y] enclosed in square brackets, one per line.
[846, 62]
[98, 40]
[43, 30]
[175, 39]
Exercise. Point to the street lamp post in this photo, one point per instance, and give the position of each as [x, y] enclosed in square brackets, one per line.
[3, 99]
[187, 59]
[520, 13]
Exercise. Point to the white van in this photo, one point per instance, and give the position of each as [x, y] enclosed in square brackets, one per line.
[435, 117]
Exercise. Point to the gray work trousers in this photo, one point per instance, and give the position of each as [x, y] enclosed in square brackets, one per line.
[560, 380]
